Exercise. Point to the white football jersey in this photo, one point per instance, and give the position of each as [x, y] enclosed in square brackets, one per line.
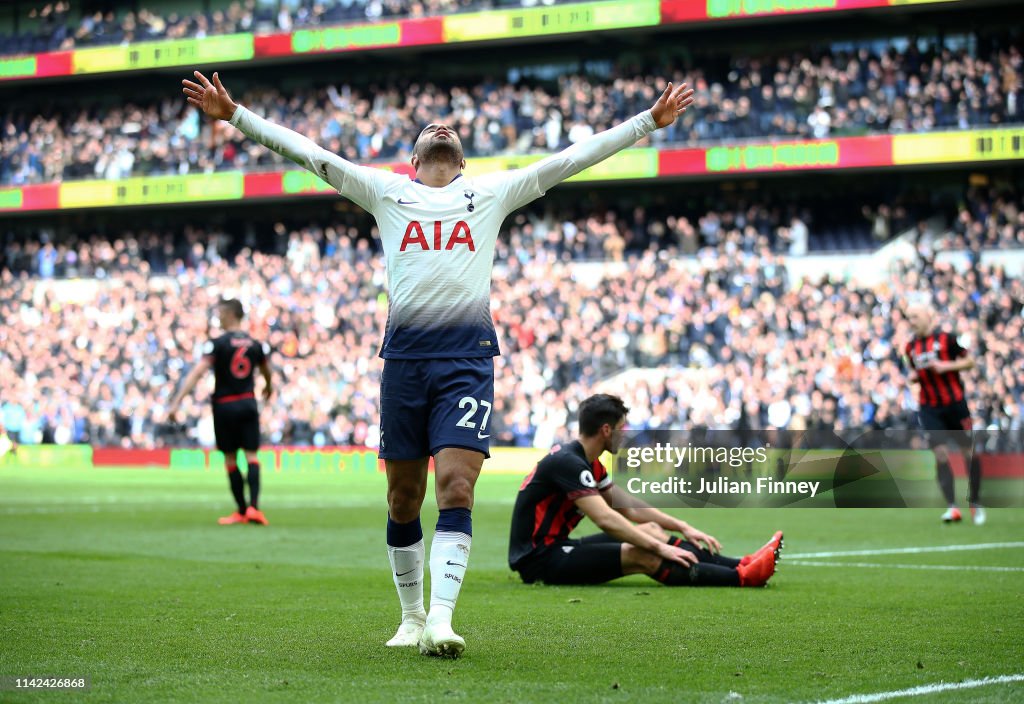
[439, 242]
[439, 248]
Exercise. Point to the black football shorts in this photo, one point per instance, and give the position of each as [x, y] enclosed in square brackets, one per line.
[236, 426]
[595, 559]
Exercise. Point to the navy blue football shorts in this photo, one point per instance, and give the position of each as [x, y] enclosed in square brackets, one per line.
[427, 405]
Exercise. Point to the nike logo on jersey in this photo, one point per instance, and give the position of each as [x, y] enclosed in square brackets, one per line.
[407, 202]
[480, 436]
[454, 564]
[402, 574]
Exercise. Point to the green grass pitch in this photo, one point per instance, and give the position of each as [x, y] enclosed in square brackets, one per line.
[124, 576]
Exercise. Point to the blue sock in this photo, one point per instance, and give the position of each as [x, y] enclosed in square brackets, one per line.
[455, 520]
[401, 535]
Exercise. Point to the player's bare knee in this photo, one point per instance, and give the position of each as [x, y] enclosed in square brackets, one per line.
[407, 485]
[455, 474]
[455, 492]
[404, 503]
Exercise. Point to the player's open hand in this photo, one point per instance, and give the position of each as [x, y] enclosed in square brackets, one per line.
[211, 98]
[672, 103]
[674, 554]
[268, 391]
[699, 537]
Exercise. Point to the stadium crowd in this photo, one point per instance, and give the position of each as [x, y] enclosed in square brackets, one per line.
[726, 335]
[831, 93]
[57, 26]
[986, 222]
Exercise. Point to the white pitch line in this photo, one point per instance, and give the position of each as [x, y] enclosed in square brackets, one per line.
[956, 568]
[901, 551]
[924, 689]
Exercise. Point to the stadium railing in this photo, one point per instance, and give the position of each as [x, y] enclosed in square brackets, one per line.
[877, 152]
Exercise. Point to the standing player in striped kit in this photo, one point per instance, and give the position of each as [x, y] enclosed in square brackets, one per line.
[938, 359]
[438, 232]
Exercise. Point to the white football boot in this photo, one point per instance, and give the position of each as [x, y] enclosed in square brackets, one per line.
[408, 633]
[440, 640]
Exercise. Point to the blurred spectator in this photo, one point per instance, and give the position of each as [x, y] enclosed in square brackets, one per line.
[841, 92]
[988, 219]
[54, 27]
[730, 336]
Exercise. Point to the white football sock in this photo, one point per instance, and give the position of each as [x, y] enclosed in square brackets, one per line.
[449, 556]
[407, 571]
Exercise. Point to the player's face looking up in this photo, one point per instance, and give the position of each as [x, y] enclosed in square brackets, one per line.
[438, 142]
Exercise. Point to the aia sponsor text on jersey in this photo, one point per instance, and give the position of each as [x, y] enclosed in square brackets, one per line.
[416, 239]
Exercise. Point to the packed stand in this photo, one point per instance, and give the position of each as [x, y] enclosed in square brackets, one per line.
[54, 27]
[797, 95]
[732, 339]
[986, 220]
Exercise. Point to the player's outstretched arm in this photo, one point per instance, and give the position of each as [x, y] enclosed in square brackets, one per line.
[358, 183]
[533, 181]
[672, 103]
[212, 98]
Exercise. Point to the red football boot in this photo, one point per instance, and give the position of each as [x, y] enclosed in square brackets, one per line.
[759, 570]
[234, 518]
